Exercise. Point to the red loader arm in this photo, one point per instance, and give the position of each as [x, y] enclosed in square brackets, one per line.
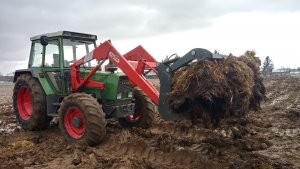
[133, 64]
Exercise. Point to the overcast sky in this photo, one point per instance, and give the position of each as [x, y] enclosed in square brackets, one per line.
[164, 27]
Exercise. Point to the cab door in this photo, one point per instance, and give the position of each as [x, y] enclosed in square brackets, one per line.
[52, 65]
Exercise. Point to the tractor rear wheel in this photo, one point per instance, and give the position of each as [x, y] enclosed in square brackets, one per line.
[81, 119]
[29, 102]
[145, 111]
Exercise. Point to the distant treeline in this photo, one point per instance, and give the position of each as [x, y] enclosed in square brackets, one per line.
[6, 78]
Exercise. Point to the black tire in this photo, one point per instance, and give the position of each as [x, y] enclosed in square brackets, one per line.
[145, 109]
[38, 120]
[93, 119]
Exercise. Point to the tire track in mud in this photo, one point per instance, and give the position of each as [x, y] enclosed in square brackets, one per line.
[170, 143]
[182, 157]
[192, 135]
[165, 143]
[181, 130]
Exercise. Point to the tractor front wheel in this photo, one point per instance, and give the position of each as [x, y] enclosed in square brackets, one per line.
[144, 112]
[29, 102]
[81, 119]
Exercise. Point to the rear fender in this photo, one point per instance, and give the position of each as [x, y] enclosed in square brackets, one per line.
[51, 97]
[32, 72]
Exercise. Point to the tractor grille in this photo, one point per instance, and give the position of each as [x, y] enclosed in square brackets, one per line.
[125, 88]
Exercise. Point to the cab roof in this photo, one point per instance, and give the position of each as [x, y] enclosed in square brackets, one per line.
[66, 34]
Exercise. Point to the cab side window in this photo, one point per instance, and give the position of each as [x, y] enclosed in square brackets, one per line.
[52, 54]
[37, 55]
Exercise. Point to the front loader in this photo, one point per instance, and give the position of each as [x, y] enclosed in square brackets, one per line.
[84, 91]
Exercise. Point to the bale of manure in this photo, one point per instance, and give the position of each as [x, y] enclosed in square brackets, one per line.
[259, 94]
[201, 91]
[179, 103]
[241, 81]
[259, 90]
[210, 92]
[251, 60]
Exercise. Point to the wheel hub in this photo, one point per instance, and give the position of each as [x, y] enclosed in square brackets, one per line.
[77, 122]
[74, 122]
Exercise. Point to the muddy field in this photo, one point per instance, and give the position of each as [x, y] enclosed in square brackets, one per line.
[269, 138]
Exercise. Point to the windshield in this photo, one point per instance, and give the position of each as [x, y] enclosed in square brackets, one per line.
[76, 49]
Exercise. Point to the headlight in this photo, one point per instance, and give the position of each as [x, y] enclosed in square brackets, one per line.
[129, 94]
[119, 96]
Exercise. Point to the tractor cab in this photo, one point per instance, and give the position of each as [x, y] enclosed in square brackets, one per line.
[52, 54]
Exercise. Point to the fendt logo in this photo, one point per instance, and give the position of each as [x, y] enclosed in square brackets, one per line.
[115, 57]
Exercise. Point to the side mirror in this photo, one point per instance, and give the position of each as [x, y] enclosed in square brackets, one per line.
[44, 40]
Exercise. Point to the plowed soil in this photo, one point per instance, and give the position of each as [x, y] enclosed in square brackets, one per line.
[269, 138]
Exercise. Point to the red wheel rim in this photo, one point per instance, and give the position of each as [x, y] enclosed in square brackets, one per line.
[24, 102]
[133, 118]
[74, 122]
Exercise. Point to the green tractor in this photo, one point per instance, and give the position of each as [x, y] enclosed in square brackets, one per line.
[46, 90]
[83, 84]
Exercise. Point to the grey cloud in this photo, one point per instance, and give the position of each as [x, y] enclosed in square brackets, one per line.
[117, 19]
